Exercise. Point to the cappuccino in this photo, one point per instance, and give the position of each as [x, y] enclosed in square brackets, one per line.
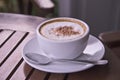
[62, 38]
[62, 29]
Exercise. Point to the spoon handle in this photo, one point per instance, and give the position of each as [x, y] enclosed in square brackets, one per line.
[99, 62]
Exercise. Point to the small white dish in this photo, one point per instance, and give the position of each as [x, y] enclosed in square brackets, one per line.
[94, 51]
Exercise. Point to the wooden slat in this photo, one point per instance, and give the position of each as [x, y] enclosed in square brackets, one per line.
[13, 61]
[94, 73]
[35, 75]
[9, 45]
[38, 75]
[4, 35]
[22, 70]
[84, 75]
[56, 77]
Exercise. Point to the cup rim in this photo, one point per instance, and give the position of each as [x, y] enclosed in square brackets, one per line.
[62, 41]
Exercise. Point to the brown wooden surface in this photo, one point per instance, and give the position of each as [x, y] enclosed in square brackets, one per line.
[13, 67]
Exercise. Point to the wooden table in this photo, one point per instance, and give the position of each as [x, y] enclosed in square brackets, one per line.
[13, 67]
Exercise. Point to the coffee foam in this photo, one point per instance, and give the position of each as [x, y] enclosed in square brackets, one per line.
[50, 30]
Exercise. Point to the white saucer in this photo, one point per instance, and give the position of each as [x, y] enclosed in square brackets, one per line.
[94, 51]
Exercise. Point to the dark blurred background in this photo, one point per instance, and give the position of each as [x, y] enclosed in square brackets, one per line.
[100, 15]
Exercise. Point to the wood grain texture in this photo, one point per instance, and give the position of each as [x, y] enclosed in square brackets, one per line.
[9, 46]
[38, 75]
[22, 72]
[14, 59]
[4, 36]
[23, 69]
[56, 76]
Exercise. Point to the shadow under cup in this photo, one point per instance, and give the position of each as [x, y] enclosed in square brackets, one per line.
[63, 49]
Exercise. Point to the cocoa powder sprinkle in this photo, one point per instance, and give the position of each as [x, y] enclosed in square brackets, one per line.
[64, 31]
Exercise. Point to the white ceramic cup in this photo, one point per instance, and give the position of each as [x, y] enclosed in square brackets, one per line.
[63, 49]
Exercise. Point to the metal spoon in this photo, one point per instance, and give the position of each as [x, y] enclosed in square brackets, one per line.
[44, 60]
